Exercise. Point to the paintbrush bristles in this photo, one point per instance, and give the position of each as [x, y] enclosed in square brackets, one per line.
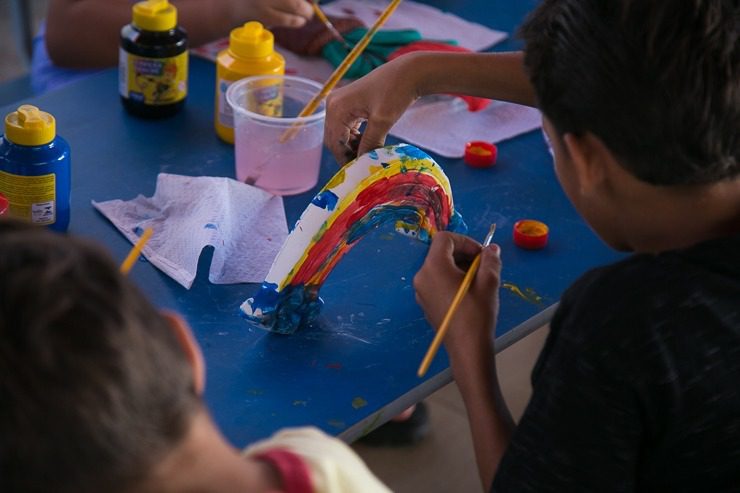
[456, 301]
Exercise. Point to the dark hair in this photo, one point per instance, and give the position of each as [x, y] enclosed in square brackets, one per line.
[94, 386]
[658, 81]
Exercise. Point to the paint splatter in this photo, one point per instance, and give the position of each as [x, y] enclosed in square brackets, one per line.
[210, 226]
[336, 423]
[326, 200]
[529, 295]
[358, 403]
[299, 403]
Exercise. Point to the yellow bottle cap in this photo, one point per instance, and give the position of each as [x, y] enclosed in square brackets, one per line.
[251, 40]
[30, 127]
[155, 15]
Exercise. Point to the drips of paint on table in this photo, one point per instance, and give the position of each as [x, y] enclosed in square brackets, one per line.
[397, 183]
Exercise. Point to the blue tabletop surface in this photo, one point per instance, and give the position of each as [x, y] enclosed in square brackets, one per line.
[357, 366]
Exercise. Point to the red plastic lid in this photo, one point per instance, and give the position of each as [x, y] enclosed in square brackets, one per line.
[480, 154]
[530, 234]
[3, 205]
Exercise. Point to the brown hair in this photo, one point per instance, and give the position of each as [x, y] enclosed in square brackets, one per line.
[94, 387]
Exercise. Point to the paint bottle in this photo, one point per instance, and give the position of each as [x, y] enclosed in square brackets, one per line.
[35, 168]
[251, 51]
[153, 61]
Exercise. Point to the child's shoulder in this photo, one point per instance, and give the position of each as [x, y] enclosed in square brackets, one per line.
[646, 294]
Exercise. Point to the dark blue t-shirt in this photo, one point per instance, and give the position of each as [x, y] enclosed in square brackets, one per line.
[638, 385]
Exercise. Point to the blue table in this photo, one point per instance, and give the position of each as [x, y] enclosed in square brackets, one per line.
[357, 366]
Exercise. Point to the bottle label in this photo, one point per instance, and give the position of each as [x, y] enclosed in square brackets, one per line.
[265, 100]
[31, 198]
[153, 81]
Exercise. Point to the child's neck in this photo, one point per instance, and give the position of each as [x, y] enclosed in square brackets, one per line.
[204, 461]
[675, 217]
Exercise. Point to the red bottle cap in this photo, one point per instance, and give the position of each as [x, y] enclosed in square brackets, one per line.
[480, 154]
[3, 205]
[530, 234]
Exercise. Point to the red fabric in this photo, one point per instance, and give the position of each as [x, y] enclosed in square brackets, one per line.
[293, 471]
[474, 103]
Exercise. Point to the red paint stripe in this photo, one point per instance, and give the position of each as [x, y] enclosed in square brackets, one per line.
[411, 188]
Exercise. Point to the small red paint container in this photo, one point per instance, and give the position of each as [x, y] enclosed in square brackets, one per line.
[3, 205]
[480, 154]
[530, 234]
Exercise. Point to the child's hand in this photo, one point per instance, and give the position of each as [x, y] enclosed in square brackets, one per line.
[287, 13]
[380, 97]
[439, 279]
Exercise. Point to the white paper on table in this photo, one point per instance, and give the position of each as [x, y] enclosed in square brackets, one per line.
[245, 225]
[432, 23]
[443, 124]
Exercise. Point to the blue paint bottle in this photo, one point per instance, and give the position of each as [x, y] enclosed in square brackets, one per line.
[35, 169]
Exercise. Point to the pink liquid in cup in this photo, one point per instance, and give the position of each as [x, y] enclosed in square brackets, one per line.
[264, 156]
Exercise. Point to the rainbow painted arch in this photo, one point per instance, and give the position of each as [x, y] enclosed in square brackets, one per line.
[397, 183]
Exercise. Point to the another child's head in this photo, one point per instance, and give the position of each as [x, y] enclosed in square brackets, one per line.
[95, 386]
[657, 84]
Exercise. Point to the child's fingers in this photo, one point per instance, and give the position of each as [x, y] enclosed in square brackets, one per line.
[283, 19]
[340, 127]
[374, 135]
[451, 248]
[298, 7]
[489, 271]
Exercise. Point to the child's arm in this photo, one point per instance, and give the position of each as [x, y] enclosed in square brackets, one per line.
[85, 33]
[469, 341]
[383, 95]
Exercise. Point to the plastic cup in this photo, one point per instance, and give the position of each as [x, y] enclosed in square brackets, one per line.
[275, 149]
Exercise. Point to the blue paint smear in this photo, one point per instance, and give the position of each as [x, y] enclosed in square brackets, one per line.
[210, 226]
[457, 224]
[138, 231]
[411, 151]
[326, 200]
[373, 154]
[285, 311]
[379, 215]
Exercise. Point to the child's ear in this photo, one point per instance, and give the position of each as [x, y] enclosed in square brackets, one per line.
[590, 159]
[191, 348]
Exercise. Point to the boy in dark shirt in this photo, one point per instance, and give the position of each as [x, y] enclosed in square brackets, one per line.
[638, 386]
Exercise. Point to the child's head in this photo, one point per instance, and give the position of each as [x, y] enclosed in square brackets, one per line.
[95, 386]
[656, 83]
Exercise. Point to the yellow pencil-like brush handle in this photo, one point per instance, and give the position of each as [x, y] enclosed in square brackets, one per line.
[456, 301]
[136, 251]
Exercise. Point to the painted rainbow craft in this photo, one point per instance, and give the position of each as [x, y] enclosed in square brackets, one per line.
[397, 183]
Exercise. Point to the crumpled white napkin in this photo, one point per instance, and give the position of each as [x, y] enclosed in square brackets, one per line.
[245, 225]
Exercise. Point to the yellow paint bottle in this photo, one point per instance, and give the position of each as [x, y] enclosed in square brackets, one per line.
[250, 52]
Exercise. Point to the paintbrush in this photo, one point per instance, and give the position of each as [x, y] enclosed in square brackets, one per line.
[342, 68]
[135, 251]
[333, 30]
[456, 301]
